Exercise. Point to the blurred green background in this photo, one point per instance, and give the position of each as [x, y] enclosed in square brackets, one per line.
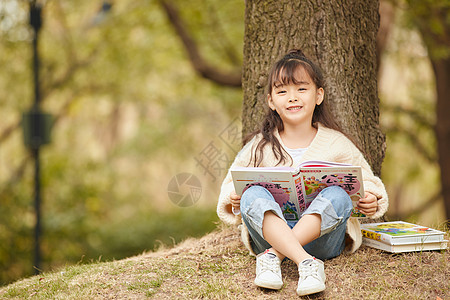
[131, 114]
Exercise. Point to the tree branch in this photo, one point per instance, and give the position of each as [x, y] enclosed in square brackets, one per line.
[417, 145]
[50, 87]
[419, 119]
[10, 129]
[224, 43]
[18, 173]
[200, 65]
[424, 206]
[412, 113]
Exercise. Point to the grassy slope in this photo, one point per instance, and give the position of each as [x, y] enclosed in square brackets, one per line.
[218, 266]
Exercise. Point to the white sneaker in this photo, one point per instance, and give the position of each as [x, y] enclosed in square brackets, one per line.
[311, 277]
[268, 271]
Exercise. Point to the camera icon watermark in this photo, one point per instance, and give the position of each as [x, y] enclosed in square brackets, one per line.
[184, 189]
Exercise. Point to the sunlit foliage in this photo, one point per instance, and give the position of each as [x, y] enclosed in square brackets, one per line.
[130, 115]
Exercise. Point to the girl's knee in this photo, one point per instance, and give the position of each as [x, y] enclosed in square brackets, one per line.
[339, 199]
[253, 193]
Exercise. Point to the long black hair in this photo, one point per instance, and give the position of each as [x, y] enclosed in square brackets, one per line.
[283, 72]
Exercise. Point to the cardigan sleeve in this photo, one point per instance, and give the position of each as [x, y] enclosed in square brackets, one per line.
[372, 183]
[224, 203]
[333, 146]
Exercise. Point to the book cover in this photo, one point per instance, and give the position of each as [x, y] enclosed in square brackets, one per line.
[295, 188]
[316, 175]
[401, 233]
[441, 245]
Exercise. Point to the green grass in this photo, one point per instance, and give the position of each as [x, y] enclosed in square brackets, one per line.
[217, 266]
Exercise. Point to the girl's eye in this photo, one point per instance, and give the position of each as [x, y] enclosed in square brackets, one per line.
[302, 89]
[281, 92]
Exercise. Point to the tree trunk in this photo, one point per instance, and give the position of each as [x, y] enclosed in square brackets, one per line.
[434, 26]
[340, 36]
[387, 17]
[441, 69]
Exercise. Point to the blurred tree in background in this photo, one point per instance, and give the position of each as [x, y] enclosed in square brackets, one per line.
[132, 112]
[130, 115]
[415, 108]
[432, 19]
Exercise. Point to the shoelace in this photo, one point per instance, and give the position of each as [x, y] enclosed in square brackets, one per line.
[269, 264]
[308, 270]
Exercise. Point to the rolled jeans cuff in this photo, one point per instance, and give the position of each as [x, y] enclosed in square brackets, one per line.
[254, 215]
[323, 207]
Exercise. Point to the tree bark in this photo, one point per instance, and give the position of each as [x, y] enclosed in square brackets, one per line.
[340, 36]
[441, 69]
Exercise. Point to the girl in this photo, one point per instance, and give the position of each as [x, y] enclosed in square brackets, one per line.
[298, 127]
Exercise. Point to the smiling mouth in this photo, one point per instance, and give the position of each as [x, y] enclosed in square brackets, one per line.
[295, 108]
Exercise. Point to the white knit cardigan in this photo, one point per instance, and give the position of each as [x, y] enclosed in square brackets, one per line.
[328, 145]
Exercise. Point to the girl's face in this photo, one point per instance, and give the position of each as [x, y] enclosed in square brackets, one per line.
[296, 100]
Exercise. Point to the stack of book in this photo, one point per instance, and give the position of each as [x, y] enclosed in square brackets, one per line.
[399, 236]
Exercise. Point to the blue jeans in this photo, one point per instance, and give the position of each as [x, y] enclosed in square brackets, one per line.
[333, 205]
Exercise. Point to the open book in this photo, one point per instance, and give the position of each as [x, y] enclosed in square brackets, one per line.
[295, 188]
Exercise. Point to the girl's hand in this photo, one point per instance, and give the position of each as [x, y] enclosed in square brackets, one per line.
[369, 204]
[235, 200]
[235, 203]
